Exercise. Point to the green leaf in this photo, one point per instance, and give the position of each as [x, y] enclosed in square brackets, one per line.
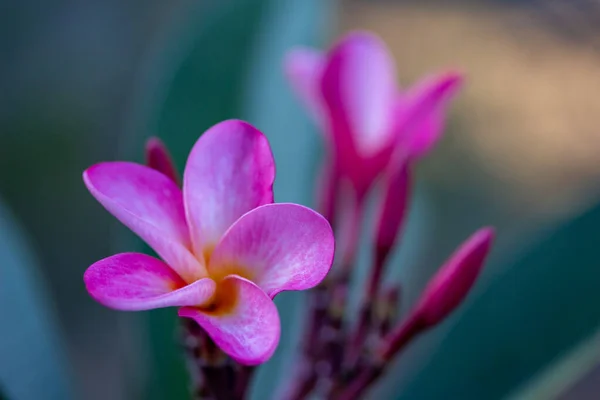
[33, 363]
[570, 373]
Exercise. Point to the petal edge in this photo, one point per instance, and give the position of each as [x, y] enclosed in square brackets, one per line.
[151, 205]
[281, 246]
[135, 282]
[248, 333]
[229, 171]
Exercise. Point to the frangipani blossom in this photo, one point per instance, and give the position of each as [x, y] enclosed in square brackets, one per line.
[352, 93]
[226, 249]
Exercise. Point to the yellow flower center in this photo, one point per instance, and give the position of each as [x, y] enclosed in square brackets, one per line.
[226, 295]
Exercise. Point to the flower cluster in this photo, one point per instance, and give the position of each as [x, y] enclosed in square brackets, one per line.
[373, 132]
[226, 249]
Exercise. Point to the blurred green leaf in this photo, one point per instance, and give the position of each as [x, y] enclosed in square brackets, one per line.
[534, 311]
[569, 373]
[33, 365]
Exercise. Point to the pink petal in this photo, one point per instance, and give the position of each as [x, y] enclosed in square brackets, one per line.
[303, 67]
[159, 159]
[451, 284]
[247, 329]
[133, 282]
[359, 89]
[151, 205]
[278, 247]
[421, 119]
[229, 172]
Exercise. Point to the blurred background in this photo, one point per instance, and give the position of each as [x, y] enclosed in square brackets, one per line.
[89, 81]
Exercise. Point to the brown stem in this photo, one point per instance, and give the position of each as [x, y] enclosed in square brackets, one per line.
[400, 336]
[319, 300]
[194, 342]
[220, 380]
[389, 310]
[365, 321]
[243, 379]
[355, 346]
[304, 380]
[334, 335]
[212, 372]
[389, 347]
[359, 384]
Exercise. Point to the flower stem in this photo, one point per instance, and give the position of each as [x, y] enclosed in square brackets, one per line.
[304, 380]
[212, 371]
[366, 321]
[243, 379]
[389, 310]
[400, 336]
[359, 384]
[389, 347]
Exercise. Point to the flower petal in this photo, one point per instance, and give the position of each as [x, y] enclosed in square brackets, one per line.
[278, 247]
[304, 67]
[151, 205]
[249, 329]
[359, 89]
[134, 281]
[229, 172]
[420, 120]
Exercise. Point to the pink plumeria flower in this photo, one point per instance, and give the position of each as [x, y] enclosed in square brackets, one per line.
[352, 93]
[226, 249]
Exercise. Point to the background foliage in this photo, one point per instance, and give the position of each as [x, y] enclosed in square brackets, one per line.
[90, 81]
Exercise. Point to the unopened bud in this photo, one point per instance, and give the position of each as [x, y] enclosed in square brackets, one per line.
[159, 159]
[451, 284]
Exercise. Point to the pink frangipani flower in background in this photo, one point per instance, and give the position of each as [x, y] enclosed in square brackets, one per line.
[374, 132]
[226, 249]
[353, 94]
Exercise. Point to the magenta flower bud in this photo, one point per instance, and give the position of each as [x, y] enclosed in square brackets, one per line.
[394, 205]
[159, 159]
[451, 284]
[444, 292]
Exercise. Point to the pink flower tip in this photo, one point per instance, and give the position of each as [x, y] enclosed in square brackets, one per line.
[422, 111]
[451, 82]
[159, 159]
[451, 284]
